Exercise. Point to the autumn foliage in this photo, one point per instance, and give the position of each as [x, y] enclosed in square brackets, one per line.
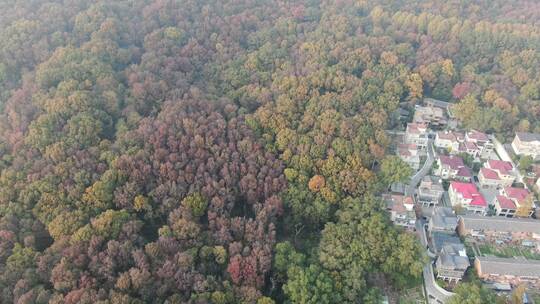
[316, 183]
[207, 151]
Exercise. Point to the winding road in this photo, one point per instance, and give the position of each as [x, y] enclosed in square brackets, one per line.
[434, 293]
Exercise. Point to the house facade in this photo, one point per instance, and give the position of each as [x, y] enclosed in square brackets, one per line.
[449, 140]
[470, 148]
[401, 209]
[452, 262]
[417, 133]
[430, 191]
[432, 116]
[474, 143]
[504, 169]
[467, 196]
[409, 153]
[488, 178]
[511, 271]
[452, 167]
[432, 102]
[521, 199]
[478, 144]
[527, 144]
[496, 228]
[505, 206]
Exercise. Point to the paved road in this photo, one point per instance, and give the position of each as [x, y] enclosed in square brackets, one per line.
[421, 229]
[435, 294]
[416, 178]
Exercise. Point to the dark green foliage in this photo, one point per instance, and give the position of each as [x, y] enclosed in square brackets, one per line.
[525, 163]
[228, 151]
[474, 293]
[196, 203]
[311, 285]
[394, 170]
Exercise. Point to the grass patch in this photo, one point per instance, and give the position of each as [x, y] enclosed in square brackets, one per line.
[507, 251]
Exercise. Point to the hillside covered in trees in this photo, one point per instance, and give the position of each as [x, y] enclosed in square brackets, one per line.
[209, 151]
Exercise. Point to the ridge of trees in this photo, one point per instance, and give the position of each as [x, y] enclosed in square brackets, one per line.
[230, 151]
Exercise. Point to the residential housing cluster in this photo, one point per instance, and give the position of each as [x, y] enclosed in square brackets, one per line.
[452, 260]
[414, 144]
[477, 209]
[509, 232]
[491, 187]
[446, 230]
[474, 143]
[430, 191]
[401, 209]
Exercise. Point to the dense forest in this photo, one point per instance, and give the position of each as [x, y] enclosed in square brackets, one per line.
[208, 151]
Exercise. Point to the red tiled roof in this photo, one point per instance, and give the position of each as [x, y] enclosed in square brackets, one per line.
[407, 149]
[408, 200]
[453, 136]
[502, 166]
[404, 152]
[477, 135]
[447, 135]
[489, 174]
[479, 201]
[464, 172]
[408, 146]
[471, 146]
[398, 202]
[505, 202]
[454, 162]
[519, 194]
[469, 191]
[416, 127]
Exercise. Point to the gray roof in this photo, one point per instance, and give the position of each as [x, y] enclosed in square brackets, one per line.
[431, 183]
[439, 239]
[500, 286]
[398, 187]
[454, 261]
[432, 178]
[436, 102]
[501, 224]
[454, 249]
[443, 218]
[523, 136]
[509, 266]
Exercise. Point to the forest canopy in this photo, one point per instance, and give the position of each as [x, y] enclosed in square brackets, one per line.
[207, 151]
